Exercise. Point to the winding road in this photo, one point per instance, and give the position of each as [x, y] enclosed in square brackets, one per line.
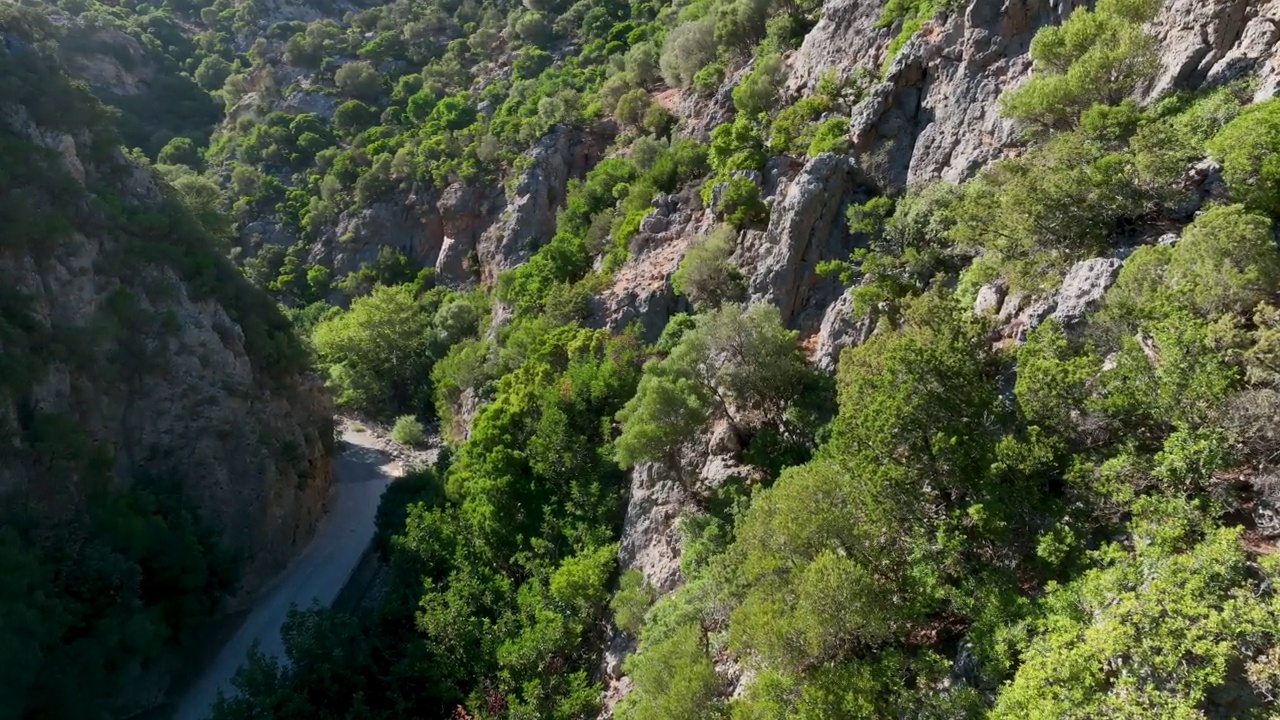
[361, 473]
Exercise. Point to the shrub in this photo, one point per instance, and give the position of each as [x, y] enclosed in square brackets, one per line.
[408, 430]
[706, 275]
[179, 151]
[1098, 57]
[1171, 610]
[1249, 149]
[830, 136]
[353, 116]
[740, 202]
[641, 63]
[687, 50]
[533, 29]
[737, 146]
[530, 63]
[359, 80]
[758, 92]
[740, 24]
[632, 600]
[213, 73]
[792, 129]
[707, 80]
[1226, 262]
[632, 107]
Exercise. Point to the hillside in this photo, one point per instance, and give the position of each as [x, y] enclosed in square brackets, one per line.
[165, 446]
[904, 359]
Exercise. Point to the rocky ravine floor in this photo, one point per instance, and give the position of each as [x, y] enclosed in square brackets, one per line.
[362, 472]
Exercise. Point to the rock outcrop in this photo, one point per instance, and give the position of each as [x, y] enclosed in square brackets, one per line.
[841, 328]
[807, 226]
[1081, 291]
[468, 232]
[155, 364]
[528, 220]
[641, 291]
[934, 114]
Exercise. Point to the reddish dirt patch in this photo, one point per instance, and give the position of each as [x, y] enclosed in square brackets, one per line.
[668, 99]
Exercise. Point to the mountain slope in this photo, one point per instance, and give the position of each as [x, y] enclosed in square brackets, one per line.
[164, 446]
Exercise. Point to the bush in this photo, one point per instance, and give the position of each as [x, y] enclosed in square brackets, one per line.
[830, 136]
[758, 92]
[793, 128]
[687, 50]
[530, 63]
[632, 600]
[707, 80]
[1226, 262]
[213, 73]
[1098, 57]
[533, 29]
[706, 275]
[642, 64]
[408, 430]
[632, 107]
[359, 80]
[353, 116]
[740, 203]
[1249, 149]
[179, 151]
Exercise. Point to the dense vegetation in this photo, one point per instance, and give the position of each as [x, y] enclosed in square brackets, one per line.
[105, 577]
[954, 525]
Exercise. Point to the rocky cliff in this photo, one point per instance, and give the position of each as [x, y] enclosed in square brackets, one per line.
[133, 351]
[932, 114]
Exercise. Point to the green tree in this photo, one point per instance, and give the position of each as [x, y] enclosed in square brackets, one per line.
[1226, 262]
[213, 72]
[1249, 149]
[739, 365]
[740, 202]
[207, 204]
[1096, 57]
[179, 151]
[408, 430]
[533, 29]
[1152, 631]
[353, 116]
[379, 353]
[758, 92]
[631, 601]
[688, 48]
[707, 275]
[359, 80]
[673, 678]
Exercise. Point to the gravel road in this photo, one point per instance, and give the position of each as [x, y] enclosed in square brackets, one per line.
[361, 473]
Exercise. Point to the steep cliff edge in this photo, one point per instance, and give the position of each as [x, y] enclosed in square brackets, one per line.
[163, 444]
[934, 113]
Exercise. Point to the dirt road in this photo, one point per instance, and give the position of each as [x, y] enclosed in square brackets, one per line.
[361, 473]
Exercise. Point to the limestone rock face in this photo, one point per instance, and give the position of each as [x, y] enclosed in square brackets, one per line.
[650, 542]
[1209, 43]
[1085, 284]
[159, 376]
[840, 329]
[110, 60]
[468, 232]
[529, 219]
[361, 235]
[935, 115]
[807, 226]
[641, 292]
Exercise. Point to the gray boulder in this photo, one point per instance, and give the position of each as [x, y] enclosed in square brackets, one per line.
[1083, 287]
